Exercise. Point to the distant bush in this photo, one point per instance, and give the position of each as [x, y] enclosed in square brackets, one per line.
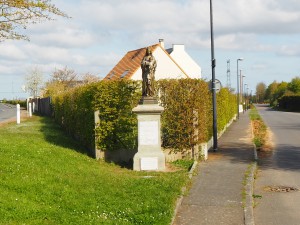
[15, 102]
[290, 102]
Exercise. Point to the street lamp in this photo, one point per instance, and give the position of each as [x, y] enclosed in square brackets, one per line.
[237, 87]
[245, 96]
[242, 86]
[213, 81]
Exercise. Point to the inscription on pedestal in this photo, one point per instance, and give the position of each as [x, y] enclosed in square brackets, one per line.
[149, 163]
[148, 132]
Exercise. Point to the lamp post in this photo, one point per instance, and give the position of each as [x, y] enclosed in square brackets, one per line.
[214, 97]
[237, 87]
[242, 87]
[245, 96]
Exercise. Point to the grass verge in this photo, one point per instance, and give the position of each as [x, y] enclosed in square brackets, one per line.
[46, 180]
[259, 129]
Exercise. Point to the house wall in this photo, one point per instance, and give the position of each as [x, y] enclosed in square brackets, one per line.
[190, 67]
[166, 68]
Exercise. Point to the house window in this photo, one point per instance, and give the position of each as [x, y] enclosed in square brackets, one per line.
[124, 74]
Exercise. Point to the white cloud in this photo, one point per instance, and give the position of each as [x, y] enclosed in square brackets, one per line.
[259, 66]
[47, 54]
[289, 50]
[101, 31]
[9, 51]
[65, 38]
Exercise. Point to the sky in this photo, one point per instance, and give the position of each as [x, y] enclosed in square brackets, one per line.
[266, 34]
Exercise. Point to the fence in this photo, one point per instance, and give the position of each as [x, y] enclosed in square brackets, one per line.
[42, 106]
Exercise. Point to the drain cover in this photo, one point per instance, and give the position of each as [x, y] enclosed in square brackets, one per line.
[283, 189]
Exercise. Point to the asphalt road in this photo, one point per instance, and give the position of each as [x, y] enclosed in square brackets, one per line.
[7, 111]
[279, 171]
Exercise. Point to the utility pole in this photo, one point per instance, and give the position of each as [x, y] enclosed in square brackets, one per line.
[228, 75]
[237, 87]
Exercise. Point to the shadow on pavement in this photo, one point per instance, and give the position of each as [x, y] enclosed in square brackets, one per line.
[284, 157]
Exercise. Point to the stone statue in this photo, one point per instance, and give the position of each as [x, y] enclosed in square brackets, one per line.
[148, 66]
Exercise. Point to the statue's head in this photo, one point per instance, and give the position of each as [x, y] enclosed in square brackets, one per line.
[148, 51]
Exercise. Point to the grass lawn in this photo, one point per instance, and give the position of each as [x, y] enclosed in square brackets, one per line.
[44, 179]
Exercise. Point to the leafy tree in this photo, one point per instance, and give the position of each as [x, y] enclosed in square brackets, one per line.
[17, 14]
[281, 89]
[271, 89]
[260, 92]
[294, 85]
[34, 81]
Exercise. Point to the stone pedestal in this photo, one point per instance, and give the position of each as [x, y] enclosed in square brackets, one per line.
[149, 155]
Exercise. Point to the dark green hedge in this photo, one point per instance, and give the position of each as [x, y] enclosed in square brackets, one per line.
[290, 102]
[186, 120]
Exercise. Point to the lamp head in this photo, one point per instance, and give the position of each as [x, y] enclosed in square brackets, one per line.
[240, 59]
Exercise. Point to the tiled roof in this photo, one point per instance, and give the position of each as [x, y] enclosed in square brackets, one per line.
[129, 64]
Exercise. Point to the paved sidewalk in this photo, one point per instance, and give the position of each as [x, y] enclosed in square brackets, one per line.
[216, 193]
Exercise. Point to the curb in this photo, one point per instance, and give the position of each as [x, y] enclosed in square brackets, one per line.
[248, 210]
[179, 200]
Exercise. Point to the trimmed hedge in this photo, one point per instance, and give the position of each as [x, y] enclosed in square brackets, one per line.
[74, 111]
[118, 125]
[186, 120]
[226, 107]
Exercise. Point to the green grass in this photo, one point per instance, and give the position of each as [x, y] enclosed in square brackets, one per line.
[254, 115]
[44, 179]
[184, 163]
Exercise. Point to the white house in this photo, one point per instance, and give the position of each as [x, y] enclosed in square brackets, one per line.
[173, 63]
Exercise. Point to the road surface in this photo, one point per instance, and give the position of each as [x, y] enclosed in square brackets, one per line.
[7, 111]
[277, 201]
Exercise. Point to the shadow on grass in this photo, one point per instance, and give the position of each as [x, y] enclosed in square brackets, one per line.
[54, 134]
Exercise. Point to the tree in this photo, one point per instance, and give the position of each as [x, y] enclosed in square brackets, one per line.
[88, 78]
[260, 92]
[61, 80]
[294, 85]
[17, 14]
[65, 75]
[270, 92]
[34, 81]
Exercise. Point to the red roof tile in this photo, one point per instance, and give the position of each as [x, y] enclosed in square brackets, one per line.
[129, 64]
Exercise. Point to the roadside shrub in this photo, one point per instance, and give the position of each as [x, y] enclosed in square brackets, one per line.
[290, 102]
[15, 102]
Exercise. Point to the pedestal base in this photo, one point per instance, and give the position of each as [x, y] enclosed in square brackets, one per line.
[149, 161]
[149, 155]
